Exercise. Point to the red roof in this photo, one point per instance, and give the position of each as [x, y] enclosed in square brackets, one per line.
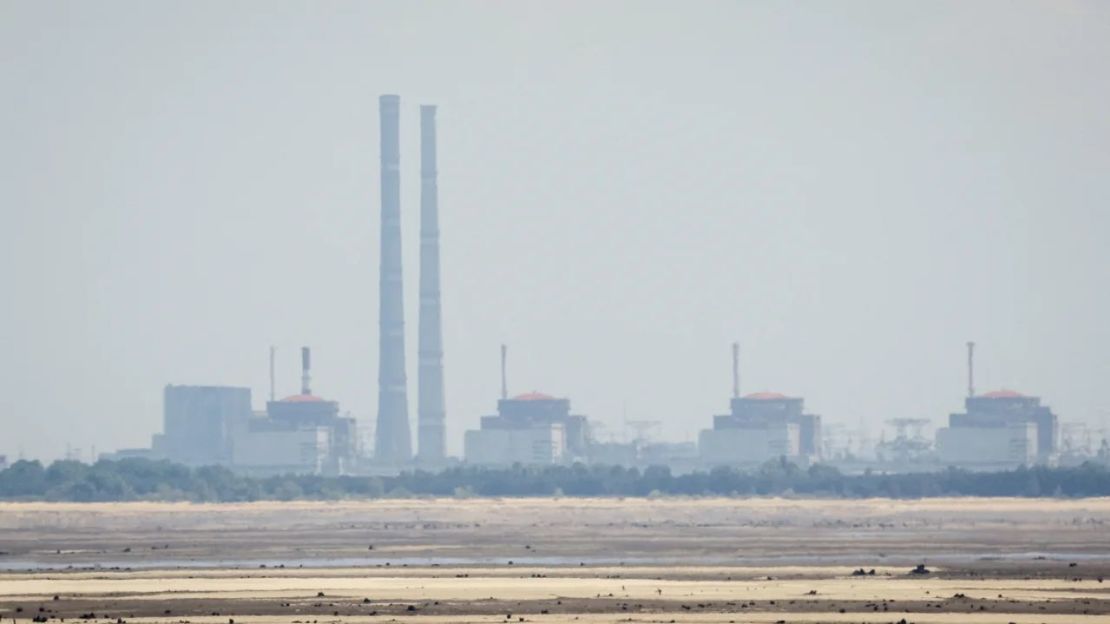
[766, 396]
[302, 398]
[1003, 394]
[534, 396]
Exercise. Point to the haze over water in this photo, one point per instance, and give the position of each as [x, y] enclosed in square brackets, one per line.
[850, 191]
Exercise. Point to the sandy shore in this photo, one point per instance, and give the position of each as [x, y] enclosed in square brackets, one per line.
[546, 560]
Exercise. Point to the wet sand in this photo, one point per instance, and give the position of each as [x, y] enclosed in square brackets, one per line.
[546, 560]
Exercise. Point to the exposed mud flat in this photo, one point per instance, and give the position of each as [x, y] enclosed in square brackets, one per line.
[547, 560]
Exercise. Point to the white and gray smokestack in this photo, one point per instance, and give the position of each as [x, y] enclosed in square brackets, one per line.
[431, 409]
[393, 441]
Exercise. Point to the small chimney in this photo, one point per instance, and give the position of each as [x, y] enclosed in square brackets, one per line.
[272, 384]
[306, 364]
[970, 369]
[504, 383]
[736, 370]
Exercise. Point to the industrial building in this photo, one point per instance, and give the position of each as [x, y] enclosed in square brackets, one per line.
[909, 449]
[198, 423]
[214, 425]
[302, 433]
[679, 457]
[998, 429]
[531, 428]
[760, 427]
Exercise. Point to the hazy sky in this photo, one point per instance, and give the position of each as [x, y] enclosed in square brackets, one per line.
[850, 190]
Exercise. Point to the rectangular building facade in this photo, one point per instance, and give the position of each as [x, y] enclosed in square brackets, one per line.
[530, 428]
[992, 430]
[198, 422]
[761, 427]
[996, 446]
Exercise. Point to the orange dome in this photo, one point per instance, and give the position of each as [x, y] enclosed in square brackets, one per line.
[766, 396]
[302, 398]
[1002, 394]
[534, 396]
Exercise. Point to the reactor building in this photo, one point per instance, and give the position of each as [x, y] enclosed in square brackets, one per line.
[215, 426]
[1002, 428]
[999, 429]
[531, 428]
[760, 427]
[302, 433]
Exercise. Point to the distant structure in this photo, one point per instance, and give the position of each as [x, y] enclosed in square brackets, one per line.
[393, 439]
[301, 433]
[198, 423]
[760, 427]
[214, 425]
[908, 447]
[531, 428]
[678, 457]
[431, 410]
[1002, 428]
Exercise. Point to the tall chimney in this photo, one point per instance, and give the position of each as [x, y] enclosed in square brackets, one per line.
[306, 364]
[736, 370]
[970, 369]
[392, 443]
[504, 382]
[431, 409]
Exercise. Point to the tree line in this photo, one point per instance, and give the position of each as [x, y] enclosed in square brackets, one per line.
[144, 479]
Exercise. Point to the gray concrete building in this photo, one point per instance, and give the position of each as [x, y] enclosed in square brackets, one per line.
[215, 425]
[198, 423]
[999, 429]
[532, 428]
[302, 433]
[760, 427]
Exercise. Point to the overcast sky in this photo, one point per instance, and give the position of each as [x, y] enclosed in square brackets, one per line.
[850, 190]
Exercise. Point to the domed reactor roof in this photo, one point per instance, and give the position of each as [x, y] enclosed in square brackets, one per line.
[1003, 394]
[534, 396]
[302, 398]
[766, 396]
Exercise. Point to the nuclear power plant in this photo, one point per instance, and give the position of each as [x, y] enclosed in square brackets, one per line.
[998, 429]
[529, 428]
[304, 433]
[215, 425]
[760, 427]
